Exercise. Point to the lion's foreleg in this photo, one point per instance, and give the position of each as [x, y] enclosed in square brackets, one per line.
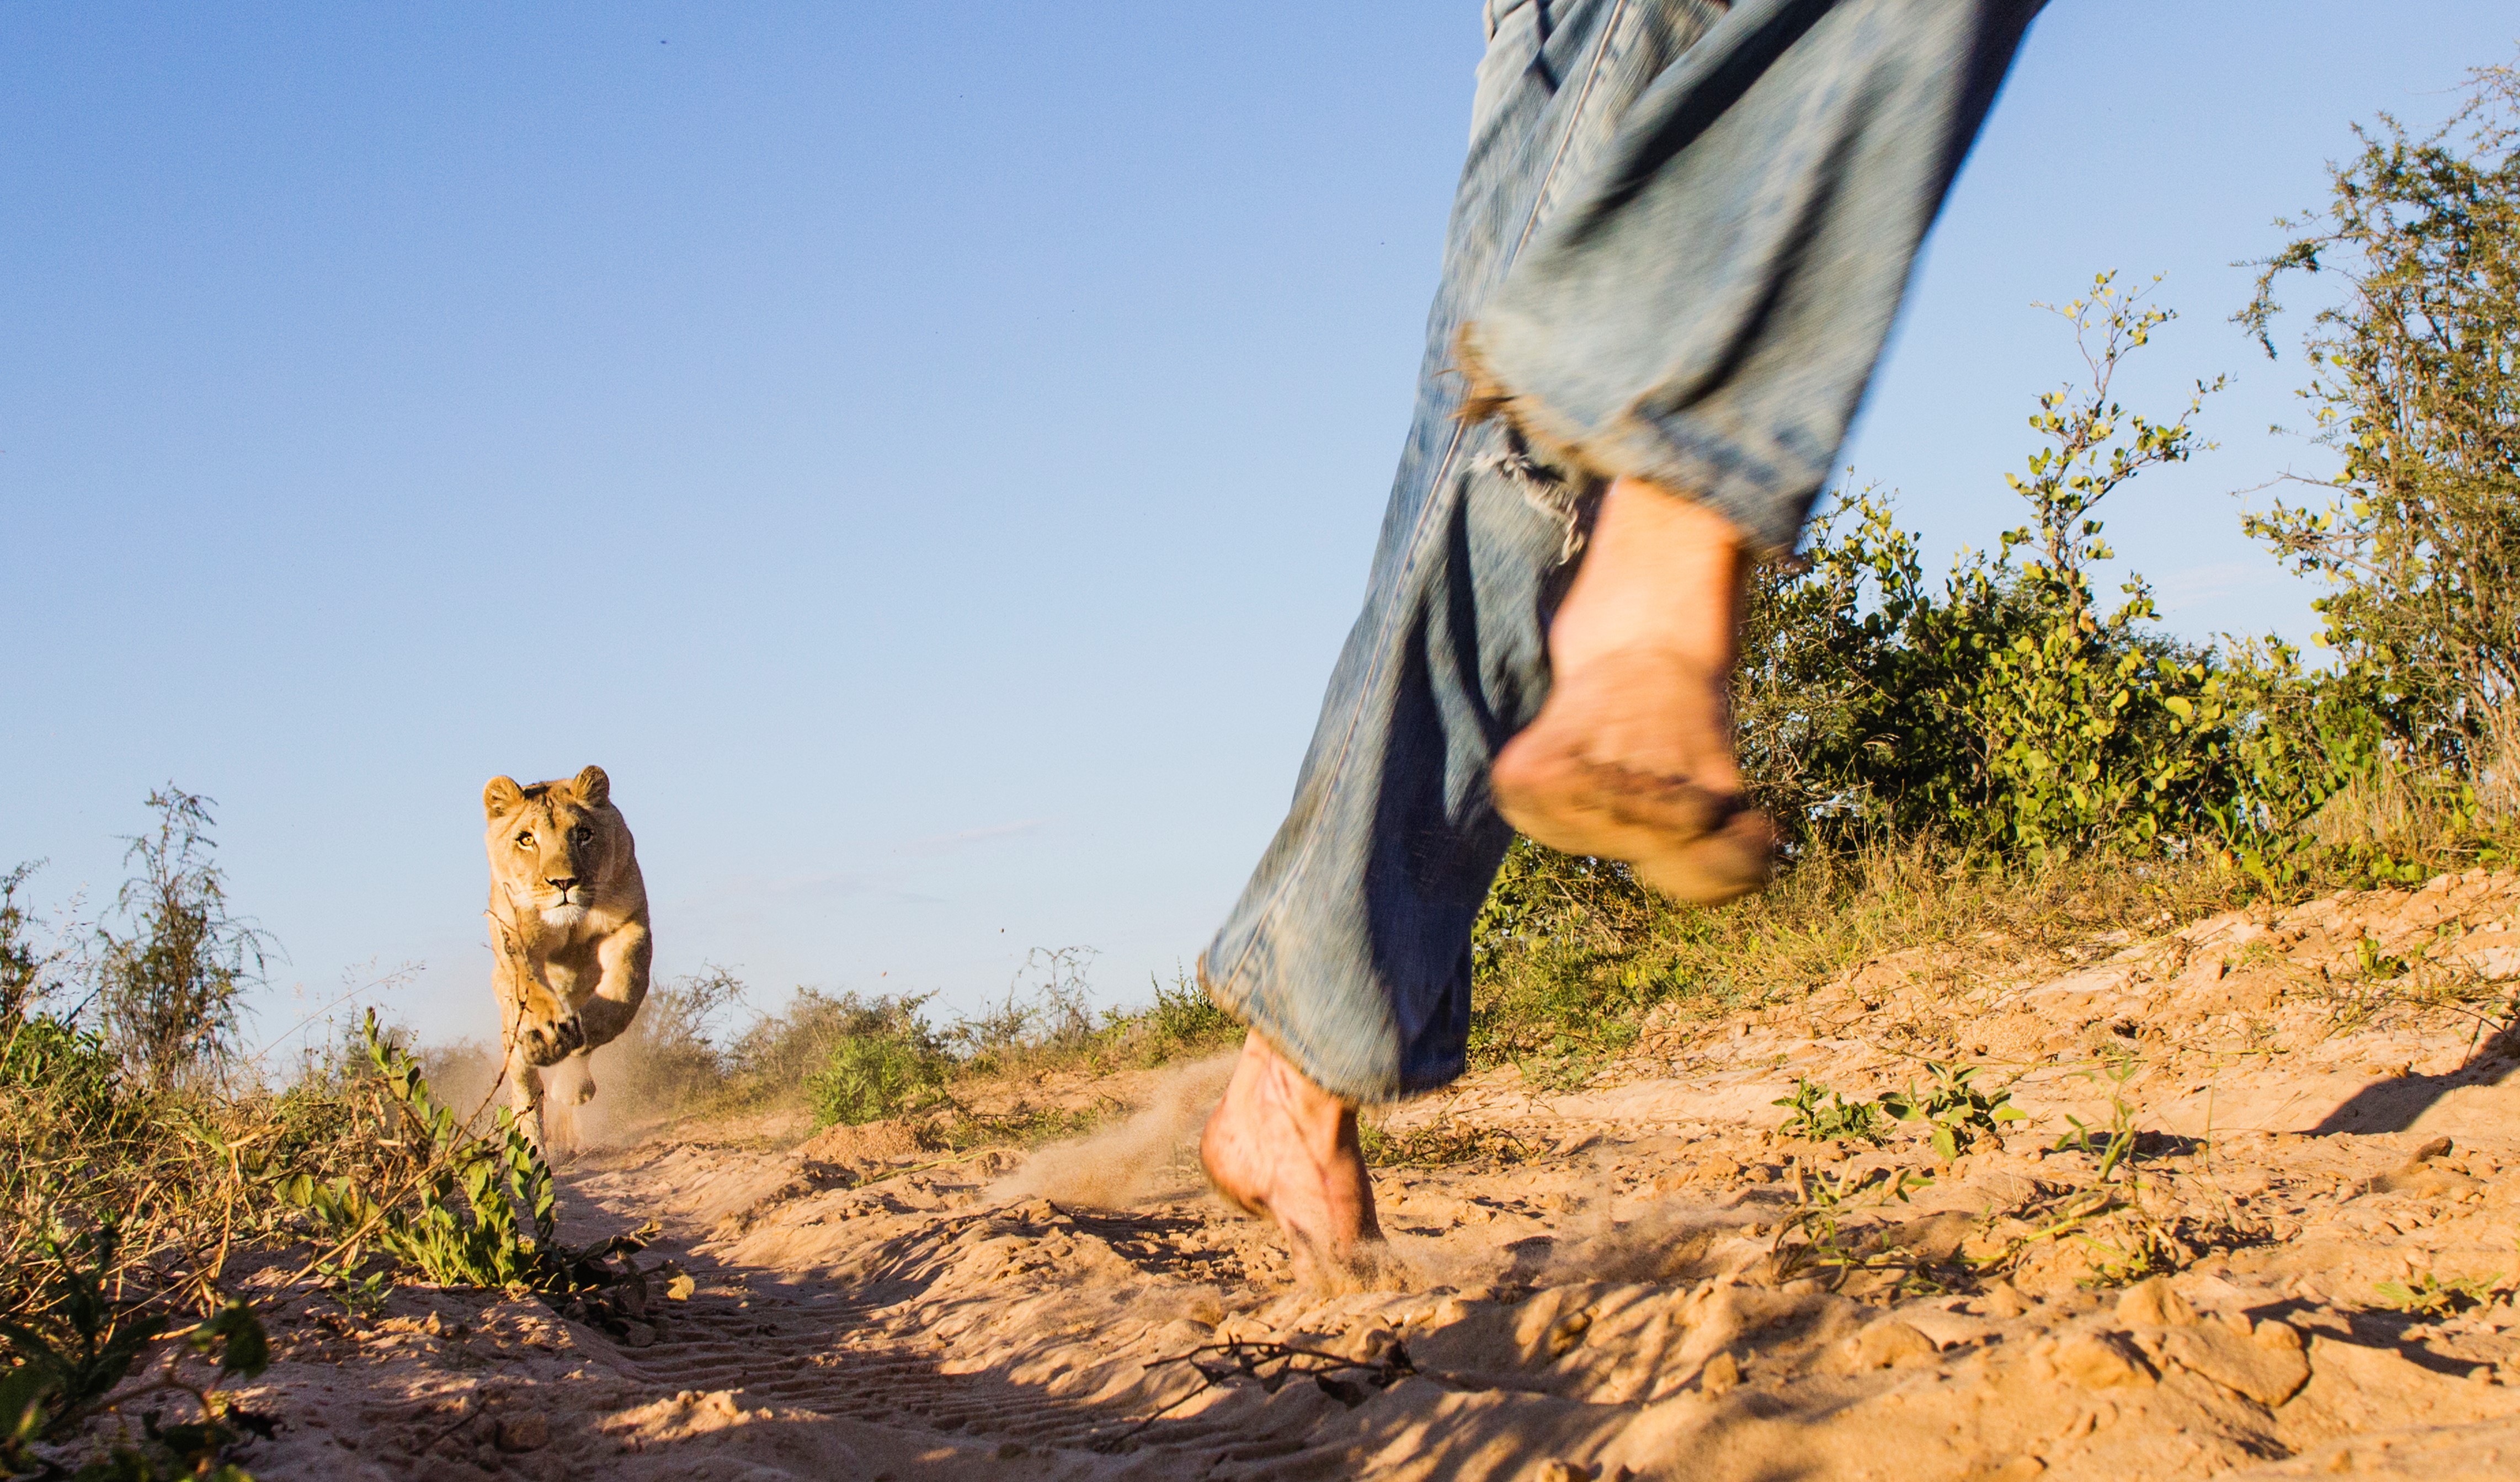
[621, 984]
[533, 1019]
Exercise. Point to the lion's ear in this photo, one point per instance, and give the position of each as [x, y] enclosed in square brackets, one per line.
[592, 786]
[502, 795]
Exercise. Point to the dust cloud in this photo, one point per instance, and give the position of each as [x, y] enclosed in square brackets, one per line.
[1154, 1154]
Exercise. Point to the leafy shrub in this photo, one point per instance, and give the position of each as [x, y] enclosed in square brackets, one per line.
[670, 1049]
[1544, 899]
[168, 985]
[2416, 389]
[884, 1060]
[2007, 709]
[416, 1219]
[1183, 1019]
[71, 1070]
[1046, 1014]
[21, 968]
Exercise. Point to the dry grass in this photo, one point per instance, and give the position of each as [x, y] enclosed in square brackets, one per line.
[1590, 954]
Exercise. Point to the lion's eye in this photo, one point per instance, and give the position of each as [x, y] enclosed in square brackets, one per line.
[580, 835]
[525, 840]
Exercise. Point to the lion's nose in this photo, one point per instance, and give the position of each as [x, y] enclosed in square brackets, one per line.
[562, 883]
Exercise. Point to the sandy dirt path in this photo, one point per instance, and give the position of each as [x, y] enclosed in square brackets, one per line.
[2302, 1263]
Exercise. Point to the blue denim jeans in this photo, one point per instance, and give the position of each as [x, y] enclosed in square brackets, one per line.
[1678, 245]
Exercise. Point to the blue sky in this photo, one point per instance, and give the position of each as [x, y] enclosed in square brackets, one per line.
[927, 454]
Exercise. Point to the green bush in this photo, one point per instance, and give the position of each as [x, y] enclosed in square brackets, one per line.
[2005, 708]
[166, 985]
[884, 1060]
[1183, 1017]
[2416, 389]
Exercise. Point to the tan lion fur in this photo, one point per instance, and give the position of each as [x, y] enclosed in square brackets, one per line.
[568, 933]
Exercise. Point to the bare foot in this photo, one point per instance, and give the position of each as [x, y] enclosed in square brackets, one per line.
[1279, 1146]
[1631, 758]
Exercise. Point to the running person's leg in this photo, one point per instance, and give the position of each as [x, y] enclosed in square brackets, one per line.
[1674, 253]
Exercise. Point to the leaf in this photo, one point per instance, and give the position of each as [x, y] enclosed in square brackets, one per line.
[22, 1392]
[243, 1347]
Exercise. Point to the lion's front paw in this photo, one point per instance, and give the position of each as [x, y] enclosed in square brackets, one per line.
[551, 1042]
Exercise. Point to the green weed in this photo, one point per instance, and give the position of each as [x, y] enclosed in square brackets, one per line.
[1820, 1239]
[2433, 1297]
[1956, 1114]
[1808, 1117]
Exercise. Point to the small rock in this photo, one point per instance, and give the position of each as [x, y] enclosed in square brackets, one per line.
[2005, 1302]
[2267, 1371]
[2154, 1304]
[1889, 1344]
[2018, 1470]
[1720, 1376]
[529, 1430]
[637, 1335]
[2097, 1362]
[1554, 1470]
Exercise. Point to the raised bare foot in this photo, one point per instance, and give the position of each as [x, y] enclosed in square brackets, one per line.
[1631, 757]
[1279, 1146]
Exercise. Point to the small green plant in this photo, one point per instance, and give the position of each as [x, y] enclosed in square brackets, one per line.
[1819, 1238]
[2133, 1246]
[470, 1211]
[1956, 1114]
[1818, 1114]
[2377, 965]
[2117, 1148]
[2433, 1297]
[84, 1343]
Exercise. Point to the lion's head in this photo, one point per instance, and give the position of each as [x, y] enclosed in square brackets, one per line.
[553, 846]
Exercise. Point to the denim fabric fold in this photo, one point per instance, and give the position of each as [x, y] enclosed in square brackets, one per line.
[1707, 314]
[1679, 241]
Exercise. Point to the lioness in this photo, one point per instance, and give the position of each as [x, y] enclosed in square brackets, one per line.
[568, 932]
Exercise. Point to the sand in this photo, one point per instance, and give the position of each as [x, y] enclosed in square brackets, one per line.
[1639, 1280]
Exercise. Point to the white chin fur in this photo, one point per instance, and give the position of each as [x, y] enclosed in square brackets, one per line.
[564, 916]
